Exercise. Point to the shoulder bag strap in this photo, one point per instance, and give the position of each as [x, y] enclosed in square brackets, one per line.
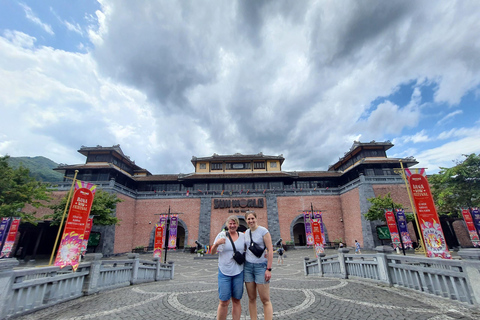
[233, 244]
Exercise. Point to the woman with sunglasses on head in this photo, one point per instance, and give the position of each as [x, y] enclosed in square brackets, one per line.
[258, 266]
[230, 273]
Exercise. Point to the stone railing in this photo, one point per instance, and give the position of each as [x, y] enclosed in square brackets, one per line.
[27, 290]
[453, 279]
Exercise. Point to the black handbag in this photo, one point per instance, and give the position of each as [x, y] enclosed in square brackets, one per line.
[255, 248]
[237, 256]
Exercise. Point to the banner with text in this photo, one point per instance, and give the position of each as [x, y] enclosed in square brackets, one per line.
[392, 227]
[308, 227]
[86, 235]
[435, 243]
[476, 218]
[172, 240]
[471, 227]
[4, 224]
[402, 226]
[72, 239]
[10, 239]
[317, 237]
[158, 243]
[318, 216]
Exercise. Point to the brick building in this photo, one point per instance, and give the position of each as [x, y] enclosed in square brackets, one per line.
[224, 184]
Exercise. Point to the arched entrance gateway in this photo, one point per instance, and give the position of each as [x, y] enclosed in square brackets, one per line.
[182, 235]
[297, 231]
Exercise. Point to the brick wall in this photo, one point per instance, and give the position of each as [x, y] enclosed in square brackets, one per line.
[352, 218]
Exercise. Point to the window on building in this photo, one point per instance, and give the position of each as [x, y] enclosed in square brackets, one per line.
[217, 166]
[259, 165]
[237, 166]
[273, 164]
[203, 165]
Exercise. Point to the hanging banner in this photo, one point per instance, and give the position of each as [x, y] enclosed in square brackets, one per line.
[402, 226]
[392, 227]
[471, 227]
[317, 237]
[163, 223]
[476, 218]
[317, 215]
[158, 243]
[172, 240]
[86, 235]
[72, 239]
[435, 243]
[308, 227]
[4, 223]
[10, 239]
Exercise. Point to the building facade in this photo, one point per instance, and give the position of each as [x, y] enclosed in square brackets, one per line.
[222, 185]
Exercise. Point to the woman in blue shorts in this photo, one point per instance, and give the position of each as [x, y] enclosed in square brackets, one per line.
[258, 270]
[230, 273]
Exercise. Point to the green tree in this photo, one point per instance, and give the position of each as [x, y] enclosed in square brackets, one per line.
[103, 207]
[379, 204]
[18, 188]
[457, 187]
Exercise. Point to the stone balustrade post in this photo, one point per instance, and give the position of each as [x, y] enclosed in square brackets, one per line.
[90, 286]
[135, 265]
[382, 263]
[305, 270]
[158, 264]
[471, 266]
[6, 282]
[173, 269]
[341, 260]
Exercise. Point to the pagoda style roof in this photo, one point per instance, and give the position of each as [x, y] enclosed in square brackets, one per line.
[238, 157]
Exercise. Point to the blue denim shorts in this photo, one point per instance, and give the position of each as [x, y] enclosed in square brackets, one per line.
[230, 286]
[255, 272]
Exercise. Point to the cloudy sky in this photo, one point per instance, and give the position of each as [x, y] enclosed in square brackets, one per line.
[168, 80]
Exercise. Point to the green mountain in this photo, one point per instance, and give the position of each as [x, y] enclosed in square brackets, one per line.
[40, 168]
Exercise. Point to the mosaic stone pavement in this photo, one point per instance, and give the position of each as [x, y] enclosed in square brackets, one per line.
[193, 295]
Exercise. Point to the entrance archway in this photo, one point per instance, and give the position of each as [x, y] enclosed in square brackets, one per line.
[182, 235]
[297, 231]
[243, 225]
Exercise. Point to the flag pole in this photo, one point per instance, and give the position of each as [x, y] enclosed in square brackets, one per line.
[63, 217]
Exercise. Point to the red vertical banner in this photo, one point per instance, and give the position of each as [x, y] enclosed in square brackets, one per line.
[158, 243]
[435, 243]
[86, 235]
[10, 240]
[317, 237]
[471, 227]
[392, 227]
[73, 234]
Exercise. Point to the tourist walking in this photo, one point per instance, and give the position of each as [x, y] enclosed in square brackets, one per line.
[357, 248]
[230, 273]
[258, 266]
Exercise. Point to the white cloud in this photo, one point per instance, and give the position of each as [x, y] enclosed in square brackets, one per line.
[33, 17]
[449, 117]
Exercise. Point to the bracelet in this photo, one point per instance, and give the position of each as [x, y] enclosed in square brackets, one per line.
[269, 269]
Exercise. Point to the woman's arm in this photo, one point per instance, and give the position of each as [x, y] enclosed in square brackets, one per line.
[216, 244]
[267, 239]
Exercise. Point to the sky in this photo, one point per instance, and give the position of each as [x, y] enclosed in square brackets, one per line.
[168, 80]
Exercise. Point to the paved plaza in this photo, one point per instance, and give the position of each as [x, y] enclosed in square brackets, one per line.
[193, 295]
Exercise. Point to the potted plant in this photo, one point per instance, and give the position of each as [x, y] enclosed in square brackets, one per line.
[289, 245]
[138, 249]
